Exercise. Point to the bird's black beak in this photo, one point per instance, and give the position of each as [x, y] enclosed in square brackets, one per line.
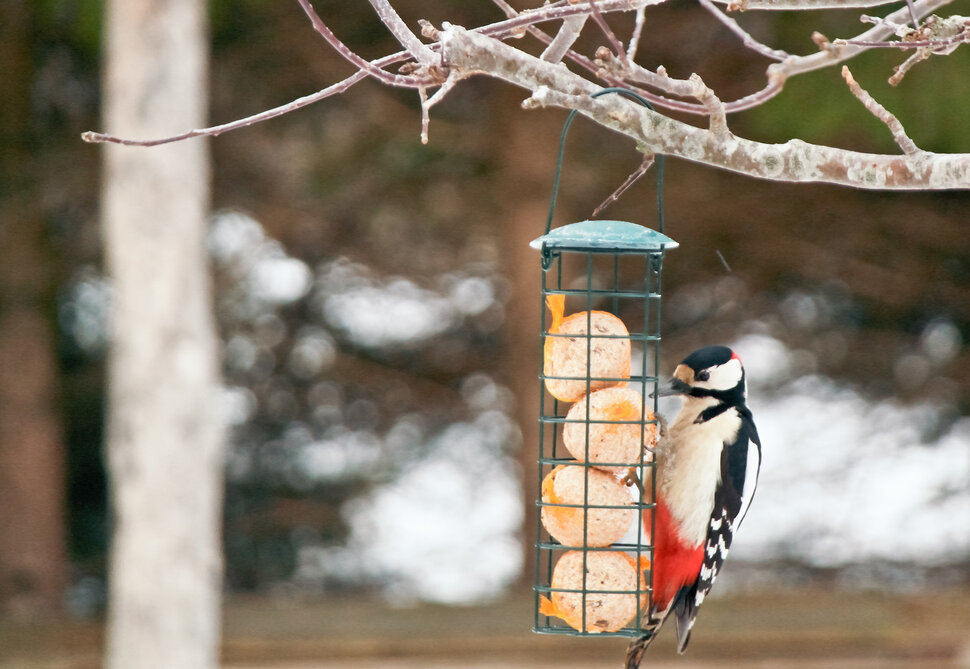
[672, 387]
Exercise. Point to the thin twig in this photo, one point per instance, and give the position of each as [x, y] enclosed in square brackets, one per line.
[912, 14]
[565, 38]
[714, 106]
[510, 11]
[879, 20]
[631, 50]
[425, 114]
[936, 36]
[895, 127]
[335, 89]
[427, 103]
[802, 5]
[601, 22]
[931, 44]
[610, 77]
[645, 165]
[594, 69]
[900, 70]
[746, 38]
[779, 73]
[520, 21]
[390, 18]
[399, 80]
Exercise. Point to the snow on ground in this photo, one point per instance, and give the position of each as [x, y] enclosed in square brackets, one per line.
[848, 480]
[844, 480]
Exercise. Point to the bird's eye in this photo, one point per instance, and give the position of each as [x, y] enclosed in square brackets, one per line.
[703, 376]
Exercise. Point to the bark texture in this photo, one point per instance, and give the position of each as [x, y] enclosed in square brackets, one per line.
[794, 161]
[165, 438]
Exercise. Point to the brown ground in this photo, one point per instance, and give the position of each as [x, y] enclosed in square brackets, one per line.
[792, 630]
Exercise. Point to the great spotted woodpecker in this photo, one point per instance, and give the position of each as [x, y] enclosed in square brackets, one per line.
[707, 470]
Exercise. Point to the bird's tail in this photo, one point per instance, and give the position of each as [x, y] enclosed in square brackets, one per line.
[637, 647]
[650, 627]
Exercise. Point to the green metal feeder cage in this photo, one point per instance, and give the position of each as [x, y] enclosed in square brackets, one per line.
[601, 291]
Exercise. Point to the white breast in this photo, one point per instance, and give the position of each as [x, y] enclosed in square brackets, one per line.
[689, 467]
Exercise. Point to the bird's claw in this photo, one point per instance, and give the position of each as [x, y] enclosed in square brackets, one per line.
[631, 478]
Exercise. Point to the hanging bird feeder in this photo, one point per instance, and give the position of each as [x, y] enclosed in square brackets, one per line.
[601, 290]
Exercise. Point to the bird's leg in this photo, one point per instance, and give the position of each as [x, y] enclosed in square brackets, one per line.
[631, 478]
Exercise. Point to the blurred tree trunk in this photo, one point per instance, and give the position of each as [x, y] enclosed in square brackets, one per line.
[33, 561]
[527, 157]
[165, 435]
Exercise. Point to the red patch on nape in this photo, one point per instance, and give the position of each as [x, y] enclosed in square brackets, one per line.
[735, 356]
[675, 564]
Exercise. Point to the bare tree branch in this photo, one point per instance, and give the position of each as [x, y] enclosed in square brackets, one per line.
[795, 161]
[427, 103]
[645, 164]
[900, 70]
[618, 71]
[390, 18]
[335, 89]
[936, 36]
[715, 108]
[941, 35]
[746, 38]
[777, 73]
[631, 50]
[601, 22]
[556, 11]
[786, 5]
[912, 13]
[564, 39]
[943, 45]
[895, 127]
[594, 68]
[362, 64]
[455, 53]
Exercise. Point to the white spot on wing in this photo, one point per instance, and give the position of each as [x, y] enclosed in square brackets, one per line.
[750, 479]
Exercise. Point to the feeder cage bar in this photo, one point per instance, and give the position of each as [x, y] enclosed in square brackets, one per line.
[600, 300]
[624, 282]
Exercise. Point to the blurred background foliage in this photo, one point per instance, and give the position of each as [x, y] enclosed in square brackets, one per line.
[378, 307]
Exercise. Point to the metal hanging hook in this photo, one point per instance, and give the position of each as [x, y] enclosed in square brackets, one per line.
[562, 147]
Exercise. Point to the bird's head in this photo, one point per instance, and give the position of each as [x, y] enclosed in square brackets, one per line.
[712, 371]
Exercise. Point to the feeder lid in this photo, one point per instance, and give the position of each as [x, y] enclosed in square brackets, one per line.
[604, 235]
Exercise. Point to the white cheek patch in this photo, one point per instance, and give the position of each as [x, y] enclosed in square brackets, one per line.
[724, 377]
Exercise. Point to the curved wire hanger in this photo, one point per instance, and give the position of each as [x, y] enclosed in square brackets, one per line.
[562, 147]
